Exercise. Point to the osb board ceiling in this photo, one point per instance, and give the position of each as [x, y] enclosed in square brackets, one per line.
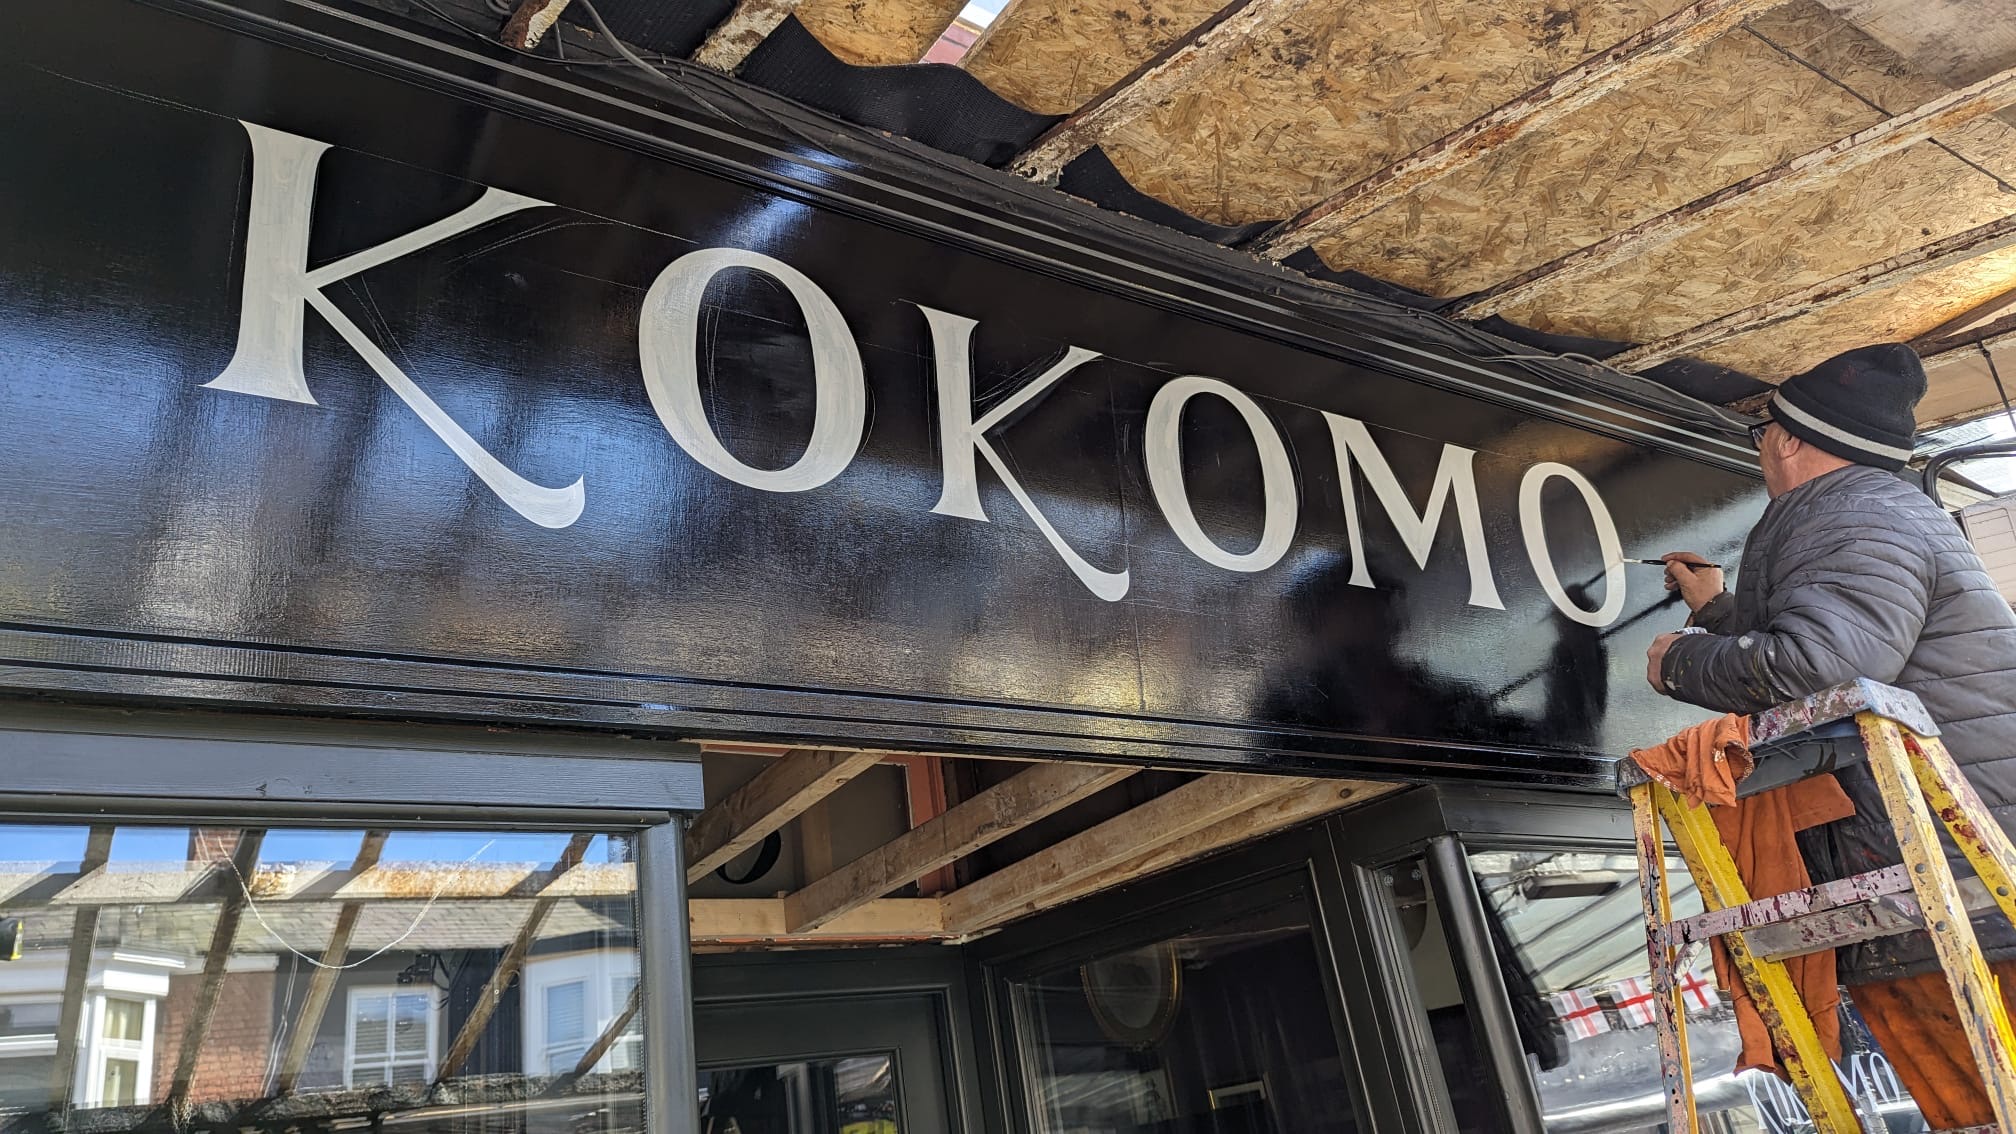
[1675, 151]
[1345, 89]
[1054, 56]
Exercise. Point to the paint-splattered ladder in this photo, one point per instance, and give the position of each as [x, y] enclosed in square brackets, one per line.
[1918, 779]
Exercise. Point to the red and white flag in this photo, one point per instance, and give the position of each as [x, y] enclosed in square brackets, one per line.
[1634, 1002]
[1581, 1014]
[1697, 995]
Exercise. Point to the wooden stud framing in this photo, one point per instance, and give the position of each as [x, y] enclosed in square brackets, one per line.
[1014, 890]
[778, 794]
[745, 26]
[928, 796]
[76, 975]
[322, 986]
[1901, 268]
[995, 813]
[760, 921]
[530, 23]
[1623, 64]
[1160, 80]
[507, 969]
[1812, 168]
[244, 863]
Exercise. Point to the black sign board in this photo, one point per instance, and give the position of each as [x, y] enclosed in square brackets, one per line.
[321, 376]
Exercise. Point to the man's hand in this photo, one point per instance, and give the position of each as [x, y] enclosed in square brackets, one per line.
[1690, 574]
[1655, 660]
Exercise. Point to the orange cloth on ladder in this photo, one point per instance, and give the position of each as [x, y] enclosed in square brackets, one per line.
[1703, 764]
[1916, 1024]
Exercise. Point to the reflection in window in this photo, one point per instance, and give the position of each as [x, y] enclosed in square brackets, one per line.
[363, 977]
[855, 1095]
[1574, 939]
[1224, 1030]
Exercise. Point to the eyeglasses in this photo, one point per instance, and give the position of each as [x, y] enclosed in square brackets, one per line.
[1757, 432]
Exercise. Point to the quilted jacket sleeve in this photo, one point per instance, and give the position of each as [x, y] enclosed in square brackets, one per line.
[1846, 598]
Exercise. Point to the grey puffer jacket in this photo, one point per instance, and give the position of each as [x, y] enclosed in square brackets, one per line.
[1859, 574]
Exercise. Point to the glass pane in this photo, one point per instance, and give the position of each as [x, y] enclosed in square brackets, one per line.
[1220, 1031]
[856, 1095]
[1573, 953]
[358, 960]
[1472, 1096]
[122, 1077]
[124, 1018]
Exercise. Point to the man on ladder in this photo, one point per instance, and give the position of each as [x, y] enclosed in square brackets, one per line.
[1853, 573]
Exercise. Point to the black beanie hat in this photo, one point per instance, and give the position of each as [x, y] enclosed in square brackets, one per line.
[1856, 405]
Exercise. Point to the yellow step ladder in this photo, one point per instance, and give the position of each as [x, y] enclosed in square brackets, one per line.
[1918, 780]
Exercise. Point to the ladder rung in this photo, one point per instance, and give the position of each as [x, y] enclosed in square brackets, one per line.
[1784, 907]
[1828, 916]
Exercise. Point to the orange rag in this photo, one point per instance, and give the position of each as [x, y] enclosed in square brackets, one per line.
[1703, 764]
[1916, 1024]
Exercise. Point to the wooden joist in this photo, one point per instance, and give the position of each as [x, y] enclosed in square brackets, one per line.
[530, 23]
[244, 862]
[1165, 820]
[322, 986]
[760, 921]
[1001, 810]
[508, 967]
[76, 974]
[1155, 83]
[1901, 268]
[778, 794]
[740, 31]
[1803, 172]
[1621, 65]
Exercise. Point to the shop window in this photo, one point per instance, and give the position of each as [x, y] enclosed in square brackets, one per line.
[853, 1095]
[1223, 1030]
[1572, 949]
[361, 976]
[391, 1037]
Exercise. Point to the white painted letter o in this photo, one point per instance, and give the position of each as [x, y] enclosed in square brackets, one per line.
[1165, 475]
[1532, 524]
[668, 334]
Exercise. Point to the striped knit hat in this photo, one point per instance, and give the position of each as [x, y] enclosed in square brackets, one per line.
[1857, 405]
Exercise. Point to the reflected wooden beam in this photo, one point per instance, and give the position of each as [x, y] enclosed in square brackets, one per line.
[1161, 822]
[76, 976]
[244, 863]
[1624, 63]
[778, 794]
[508, 967]
[322, 986]
[738, 34]
[999, 811]
[753, 922]
[612, 1033]
[171, 884]
[1887, 273]
[1156, 82]
[1808, 170]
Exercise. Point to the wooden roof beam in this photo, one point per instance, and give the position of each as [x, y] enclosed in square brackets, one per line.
[729, 922]
[76, 975]
[1156, 82]
[1887, 273]
[1809, 169]
[1167, 819]
[1001, 810]
[1622, 64]
[244, 863]
[779, 793]
[738, 33]
[508, 967]
[322, 986]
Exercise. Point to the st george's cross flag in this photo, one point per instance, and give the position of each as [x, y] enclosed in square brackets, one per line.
[1581, 1014]
[1634, 1002]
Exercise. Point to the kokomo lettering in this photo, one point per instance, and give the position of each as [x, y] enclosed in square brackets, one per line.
[1172, 495]
[668, 342]
[1455, 478]
[1533, 524]
[963, 435]
[267, 361]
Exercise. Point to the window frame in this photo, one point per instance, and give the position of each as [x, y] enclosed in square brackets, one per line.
[391, 993]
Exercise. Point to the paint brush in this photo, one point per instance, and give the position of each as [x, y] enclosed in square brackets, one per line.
[1662, 563]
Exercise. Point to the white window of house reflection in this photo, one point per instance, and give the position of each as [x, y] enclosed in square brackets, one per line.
[1572, 944]
[391, 1037]
[572, 999]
